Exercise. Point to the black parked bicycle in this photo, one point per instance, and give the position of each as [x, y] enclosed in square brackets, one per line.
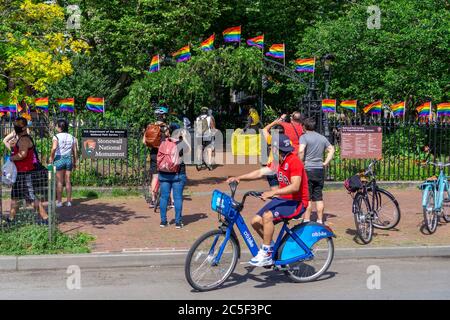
[373, 207]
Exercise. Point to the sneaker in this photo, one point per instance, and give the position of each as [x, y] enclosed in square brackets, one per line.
[43, 222]
[151, 204]
[59, 204]
[170, 205]
[163, 224]
[179, 225]
[68, 204]
[263, 258]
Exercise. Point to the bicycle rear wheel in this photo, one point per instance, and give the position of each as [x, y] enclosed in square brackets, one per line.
[429, 212]
[363, 219]
[387, 210]
[200, 271]
[146, 188]
[157, 200]
[313, 268]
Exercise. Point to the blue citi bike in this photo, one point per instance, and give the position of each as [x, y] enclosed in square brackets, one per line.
[303, 252]
[436, 198]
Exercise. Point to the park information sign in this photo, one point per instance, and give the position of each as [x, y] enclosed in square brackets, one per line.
[359, 142]
[104, 144]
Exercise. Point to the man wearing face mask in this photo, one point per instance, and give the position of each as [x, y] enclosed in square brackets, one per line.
[287, 202]
[23, 156]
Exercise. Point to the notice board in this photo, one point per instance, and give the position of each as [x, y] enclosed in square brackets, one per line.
[361, 142]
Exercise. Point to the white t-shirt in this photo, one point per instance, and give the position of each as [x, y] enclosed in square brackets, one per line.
[65, 144]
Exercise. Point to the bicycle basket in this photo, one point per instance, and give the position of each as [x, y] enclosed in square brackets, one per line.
[353, 183]
[221, 203]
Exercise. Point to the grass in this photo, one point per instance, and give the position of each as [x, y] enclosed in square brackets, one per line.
[96, 194]
[33, 239]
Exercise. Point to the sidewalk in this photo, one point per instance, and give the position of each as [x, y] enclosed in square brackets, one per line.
[126, 224]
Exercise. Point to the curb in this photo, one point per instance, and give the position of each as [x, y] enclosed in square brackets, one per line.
[159, 258]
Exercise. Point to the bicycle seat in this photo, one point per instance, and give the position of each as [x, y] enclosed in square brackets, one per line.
[297, 214]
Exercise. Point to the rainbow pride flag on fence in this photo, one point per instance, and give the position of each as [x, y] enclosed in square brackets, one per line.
[11, 107]
[154, 64]
[305, 65]
[443, 109]
[184, 54]
[399, 109]
[374, 107]
[41, 104]
[256, 42]
[208, 44]
[95, 104]
[276, 51]
[329, 105]
[349, 105]
[232, 34]
[424, 109]
[66, 105]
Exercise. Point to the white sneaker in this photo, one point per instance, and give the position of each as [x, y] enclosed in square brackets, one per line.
[68, 204]
[59, 204]
[263, 258]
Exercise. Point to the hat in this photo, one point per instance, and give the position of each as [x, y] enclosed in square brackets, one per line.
[204, 109]
[283, 143]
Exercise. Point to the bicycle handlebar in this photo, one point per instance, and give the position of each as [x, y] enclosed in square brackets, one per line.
[233, 186]
[438, 164]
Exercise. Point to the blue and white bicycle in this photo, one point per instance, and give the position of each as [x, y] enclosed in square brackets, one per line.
[436, 198]
[303, 252]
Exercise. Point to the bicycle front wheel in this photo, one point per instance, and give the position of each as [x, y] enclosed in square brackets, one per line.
[363, 220]
[387, 210]
[201, 271]
[157, 200]
[429, 212]
[313, 268]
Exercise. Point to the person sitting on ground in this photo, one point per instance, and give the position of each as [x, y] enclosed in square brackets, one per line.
[63, 155]
[312, 148]
[23, 156]
[288, 201]
[176, 180]
[205, 126]
[253, 121]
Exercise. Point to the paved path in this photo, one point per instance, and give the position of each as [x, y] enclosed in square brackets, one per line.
[412, 278]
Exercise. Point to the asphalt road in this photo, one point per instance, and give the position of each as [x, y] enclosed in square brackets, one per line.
[406, 278]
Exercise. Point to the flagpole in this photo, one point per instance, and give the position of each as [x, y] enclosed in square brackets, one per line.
[104, 101]
[284, 55]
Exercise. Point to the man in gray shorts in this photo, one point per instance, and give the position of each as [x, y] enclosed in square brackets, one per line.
[311, 151]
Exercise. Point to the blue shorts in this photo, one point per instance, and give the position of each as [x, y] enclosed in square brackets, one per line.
[283, 209]
[63, 163]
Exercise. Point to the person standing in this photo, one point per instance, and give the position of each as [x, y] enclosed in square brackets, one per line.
[23, 156]
[205, 126]
[64, 156]
[312, 149]
[293, 128]
[172, 180]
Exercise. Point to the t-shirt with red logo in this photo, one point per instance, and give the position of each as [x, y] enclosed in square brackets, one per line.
[293, 130]
[292, 167]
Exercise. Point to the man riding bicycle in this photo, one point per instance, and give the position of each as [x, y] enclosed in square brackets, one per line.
[288, 201]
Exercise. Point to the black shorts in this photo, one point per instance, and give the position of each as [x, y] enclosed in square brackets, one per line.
[316, 178]
[23, 188]
[153, 163]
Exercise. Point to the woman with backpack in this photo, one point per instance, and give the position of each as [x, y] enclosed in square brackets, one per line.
[172, 172]
[64, 157]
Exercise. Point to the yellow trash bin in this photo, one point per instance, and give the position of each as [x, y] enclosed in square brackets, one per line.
[245, 144]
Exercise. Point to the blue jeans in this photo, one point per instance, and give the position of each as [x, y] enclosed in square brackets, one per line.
[167, 182]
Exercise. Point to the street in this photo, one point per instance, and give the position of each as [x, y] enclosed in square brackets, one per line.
[406, 278]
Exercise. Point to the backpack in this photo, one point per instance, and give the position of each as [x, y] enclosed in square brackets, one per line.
[168, 158]
[153, 135]
[201, 126]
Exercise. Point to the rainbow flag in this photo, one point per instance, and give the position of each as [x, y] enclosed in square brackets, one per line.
[374, 107]
[398, 109]
[256, 42]
[349, 105]
[41, 104]
[154, 64]
[329, 105]
[443, 109]
[276, 51]
[208, 44]
[11, 107]
[424, 109]
[305, 65]
[66, 105]
[232, 34]
[95, 104]
[184, 54]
